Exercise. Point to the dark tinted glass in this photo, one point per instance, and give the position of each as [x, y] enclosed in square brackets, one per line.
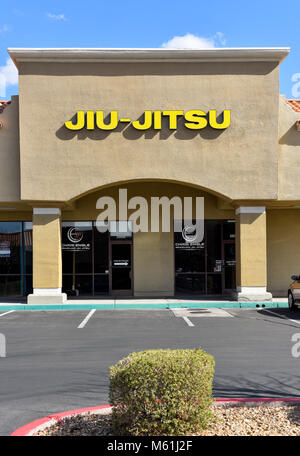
[101, 284]
[214, 284]
[121, 255]
[101, 251]
[10, 247]
[189, 257]
[213, 245]
[121, 279]
[207, 259]
[78, 285]
[27, 247]
[229, 230]
[229, 255]
[27, 284]
[11, 285]
[77, 247]
[190, 283]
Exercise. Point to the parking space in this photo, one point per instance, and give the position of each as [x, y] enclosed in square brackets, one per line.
[34, 319]
[59, 360]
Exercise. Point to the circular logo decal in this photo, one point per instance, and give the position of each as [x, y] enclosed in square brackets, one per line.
[74, 235]
[189, 233]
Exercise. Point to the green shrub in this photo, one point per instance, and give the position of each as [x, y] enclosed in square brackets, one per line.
[162, 392]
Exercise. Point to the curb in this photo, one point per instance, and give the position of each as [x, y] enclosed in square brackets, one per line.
[31, 428]
[201, 305]
[36, 425]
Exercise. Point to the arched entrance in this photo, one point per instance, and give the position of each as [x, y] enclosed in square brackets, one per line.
[120, 262]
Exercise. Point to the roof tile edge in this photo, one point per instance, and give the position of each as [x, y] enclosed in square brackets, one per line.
[293, 104]
[3, 105]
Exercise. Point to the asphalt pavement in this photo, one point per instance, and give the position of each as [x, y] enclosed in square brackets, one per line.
[59, 360]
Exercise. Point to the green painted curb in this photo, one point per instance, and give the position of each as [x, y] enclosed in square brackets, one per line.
[209, 305]
[5, 307]
[69, 307]
[251, 305]
[199, 305]
[143, 306]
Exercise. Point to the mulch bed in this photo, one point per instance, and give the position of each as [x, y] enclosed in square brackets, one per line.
[261, 420]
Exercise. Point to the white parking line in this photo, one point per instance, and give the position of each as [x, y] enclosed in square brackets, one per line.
[188, 321]
[282, 316]
[86, 319]
[10, 311]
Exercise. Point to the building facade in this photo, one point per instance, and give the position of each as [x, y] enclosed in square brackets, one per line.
[157, 123]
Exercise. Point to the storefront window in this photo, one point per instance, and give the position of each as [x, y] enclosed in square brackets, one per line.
[206, 268]
[229, 254]
[77, 247]
[189, 257]
[214, 284]
[76, 285]
[229, 230]
[77, 257]
[214, 245]
[27, 247]
[190, 283]
[15, 258]
[10, 247]
[11, 285]
[101, 284]
[85, 253]
[101, 241]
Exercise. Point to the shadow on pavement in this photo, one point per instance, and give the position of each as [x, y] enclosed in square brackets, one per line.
[281, 313]
[235, 387]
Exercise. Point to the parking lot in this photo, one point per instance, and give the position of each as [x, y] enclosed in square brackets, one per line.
[59, 360]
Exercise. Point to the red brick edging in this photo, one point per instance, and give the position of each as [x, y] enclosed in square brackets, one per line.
[32, 427]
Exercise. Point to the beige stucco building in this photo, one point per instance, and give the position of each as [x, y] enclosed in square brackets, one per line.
[211, 124]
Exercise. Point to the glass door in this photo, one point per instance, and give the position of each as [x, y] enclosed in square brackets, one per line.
[121, 268]
[121, 282]
[229, 265]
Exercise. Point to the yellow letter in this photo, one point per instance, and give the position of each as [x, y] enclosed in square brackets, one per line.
[213, 119]
[197, 118]
[173, 118]
[157, 120]
[113, 120]
[80, 122]
[90, 120]
[147, 122]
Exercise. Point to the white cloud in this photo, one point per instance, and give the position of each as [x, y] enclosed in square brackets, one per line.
[220, 37]
[56, 17]
[190, 41]
[8, 76]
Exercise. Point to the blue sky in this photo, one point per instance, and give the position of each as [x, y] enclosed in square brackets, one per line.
[97, 23]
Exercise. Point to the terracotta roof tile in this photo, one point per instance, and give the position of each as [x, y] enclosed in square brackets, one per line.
[3, 105]
[294, 104]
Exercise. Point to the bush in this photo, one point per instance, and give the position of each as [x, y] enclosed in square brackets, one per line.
[162, 392]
